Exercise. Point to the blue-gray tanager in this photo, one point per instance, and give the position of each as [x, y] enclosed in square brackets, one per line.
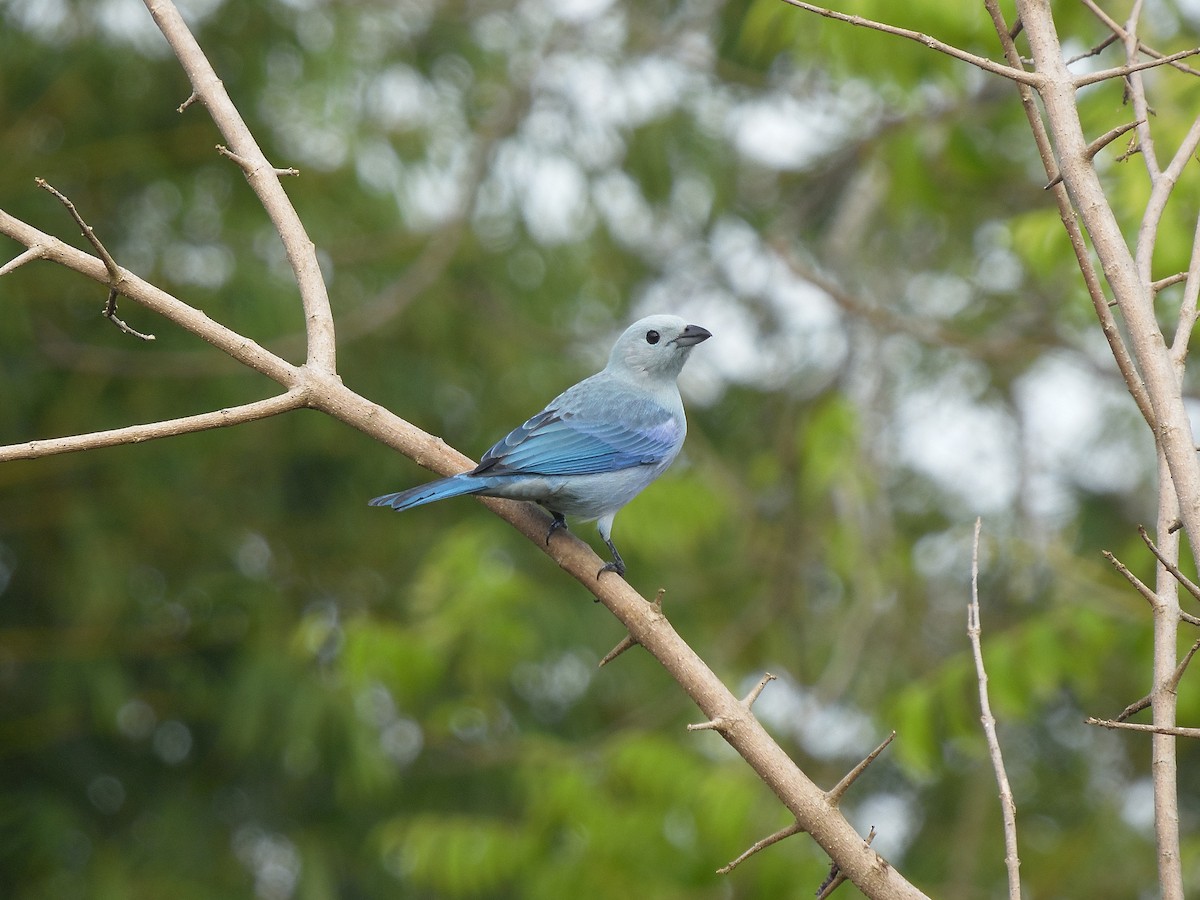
[597, 444]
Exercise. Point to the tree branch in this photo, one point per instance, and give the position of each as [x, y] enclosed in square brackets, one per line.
[1066, 213]
[1008, 806]
[263, 178]
[1129, 69]
[241, 348]
[136, 434]
[1017, 74]
[1169, 730]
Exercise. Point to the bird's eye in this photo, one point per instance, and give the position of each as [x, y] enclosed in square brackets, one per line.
[652, 337]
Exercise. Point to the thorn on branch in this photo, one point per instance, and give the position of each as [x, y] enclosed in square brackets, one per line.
[1177, 675]
[748, 700]
[1172, 685]
[629, 640]
[720, 722]
[834, 794]
[1099, 144]
[1133, 708]
[794, 828]
[1190, 586]
[836, 877]
[625, 643]
[248, 167]
[115, 276]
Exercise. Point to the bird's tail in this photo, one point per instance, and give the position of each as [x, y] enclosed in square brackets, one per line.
[453, 486]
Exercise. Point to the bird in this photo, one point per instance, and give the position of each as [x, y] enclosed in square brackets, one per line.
[596, 445]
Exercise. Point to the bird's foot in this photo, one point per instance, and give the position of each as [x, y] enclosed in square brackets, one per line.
[560, 522]
[617, 565]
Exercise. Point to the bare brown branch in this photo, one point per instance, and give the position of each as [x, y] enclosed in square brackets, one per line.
[1170, 730]
[1006, 71]
[1008, 806]
[136, 434]
[1126, 70]
[263, 179]
[758, 846]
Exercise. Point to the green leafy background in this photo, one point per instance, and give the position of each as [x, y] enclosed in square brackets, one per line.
[222, 675]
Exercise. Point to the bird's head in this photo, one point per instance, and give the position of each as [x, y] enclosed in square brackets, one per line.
[656, 346]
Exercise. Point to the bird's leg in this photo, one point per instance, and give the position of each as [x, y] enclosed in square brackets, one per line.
[560, 521]
[617, 565]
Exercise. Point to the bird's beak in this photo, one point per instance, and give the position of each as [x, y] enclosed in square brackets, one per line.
[692, 335]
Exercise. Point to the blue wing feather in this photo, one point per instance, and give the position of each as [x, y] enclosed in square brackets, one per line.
[562, 443]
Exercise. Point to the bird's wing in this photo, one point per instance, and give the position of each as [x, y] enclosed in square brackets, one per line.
[561, 442]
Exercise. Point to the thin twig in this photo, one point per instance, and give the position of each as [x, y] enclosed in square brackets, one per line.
[1191, 587]
[1134, 708]
[1099, 144]
[1117, 29]
[1139, 585]
[1173, 730]
[16, 262]
[137, 434]
[249, 167]
[1007, 805]
[766, 842]
[1033, 79]
[116, 276]
[1122, 71]
[110, 312]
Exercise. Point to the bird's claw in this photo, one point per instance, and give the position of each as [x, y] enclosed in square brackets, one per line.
[560, 522]
[617, 565]
[611, 567]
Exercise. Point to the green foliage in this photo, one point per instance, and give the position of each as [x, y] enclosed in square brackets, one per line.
[221, 674]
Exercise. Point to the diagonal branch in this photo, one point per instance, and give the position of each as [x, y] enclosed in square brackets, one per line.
[1119, 32]
[1083, 257]
[239, 347]
[114, 271]
[1123, 71]
[757, 846]
[35, 252]
[1017, 74]
[263, 178]
[835, 793]
[1190, 586]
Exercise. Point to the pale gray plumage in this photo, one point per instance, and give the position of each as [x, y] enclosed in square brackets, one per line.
[597, 445]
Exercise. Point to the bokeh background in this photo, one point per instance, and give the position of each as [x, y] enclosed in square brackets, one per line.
[222, 675]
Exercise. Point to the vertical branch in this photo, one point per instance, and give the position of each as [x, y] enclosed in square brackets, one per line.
[1008, 806]
[1091, 279]
[1163, 699]
[1179, 470]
